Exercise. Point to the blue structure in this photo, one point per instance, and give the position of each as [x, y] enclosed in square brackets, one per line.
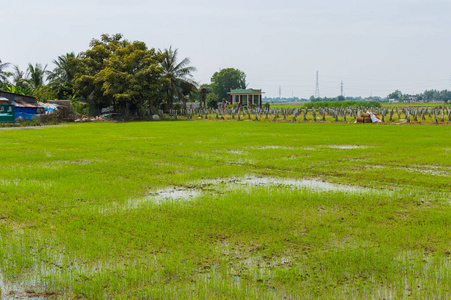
[26, 107]
[26, 113]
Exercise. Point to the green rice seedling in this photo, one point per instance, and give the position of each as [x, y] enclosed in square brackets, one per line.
[225, 210]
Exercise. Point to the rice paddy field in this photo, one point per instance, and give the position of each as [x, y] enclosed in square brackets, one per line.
[225, 209]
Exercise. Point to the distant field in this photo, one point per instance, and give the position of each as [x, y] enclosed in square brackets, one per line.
[225, 209]
[289, 104]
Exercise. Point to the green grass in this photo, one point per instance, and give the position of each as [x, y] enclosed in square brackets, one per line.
[76, 219]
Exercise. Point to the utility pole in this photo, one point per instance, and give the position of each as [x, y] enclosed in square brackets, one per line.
[342, 88]
[280, 93]
[317, 85]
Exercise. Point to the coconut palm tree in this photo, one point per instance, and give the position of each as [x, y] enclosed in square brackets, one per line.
[36, 76]
[4, 74]
[64, 72]
[177, 75]
[19, 77]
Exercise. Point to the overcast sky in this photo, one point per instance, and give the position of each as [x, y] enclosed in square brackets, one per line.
[374, 46]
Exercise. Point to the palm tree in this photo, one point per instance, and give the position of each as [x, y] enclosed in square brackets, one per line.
[178, 75]
[4, 74]
[19, 77]
[64, 72]
[36, 76]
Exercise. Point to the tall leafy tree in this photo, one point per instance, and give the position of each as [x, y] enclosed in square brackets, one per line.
[225, 80]
[177, 75]
[119, 73]
[92, 61]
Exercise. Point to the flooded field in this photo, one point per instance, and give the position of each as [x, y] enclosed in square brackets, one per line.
[225, 210]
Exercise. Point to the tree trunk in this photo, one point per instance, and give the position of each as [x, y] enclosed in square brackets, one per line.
[151, 108]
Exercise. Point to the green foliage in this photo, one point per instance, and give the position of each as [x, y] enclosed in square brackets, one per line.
[61, 79]
[195, 96]
[19, 79]
[212, 100]
[427, 96]
[177, 107]
[225, 80]
[365, 104]
[16, 89]
[177, 76]
[3, 73]
[434, 95]
[395, 95]
[36, 76]
[339, 98]
[79, 108]
[119, 73]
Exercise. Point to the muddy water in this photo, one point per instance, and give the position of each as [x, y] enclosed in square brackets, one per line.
[168, 194]
[12, 291]
[7, 291]
[179, 194]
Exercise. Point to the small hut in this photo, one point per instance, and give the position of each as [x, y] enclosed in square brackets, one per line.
[246, 97]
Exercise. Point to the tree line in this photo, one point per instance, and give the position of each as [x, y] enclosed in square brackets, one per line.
[427, 96]
[113, 71]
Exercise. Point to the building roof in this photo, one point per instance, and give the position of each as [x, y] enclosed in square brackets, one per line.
[21, 103]
[5, 92]
[245, 91]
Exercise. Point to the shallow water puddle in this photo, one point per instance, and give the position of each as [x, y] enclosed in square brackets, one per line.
[10, 291]
[168, 194]
[429, 170]
[20, 182]
[178, 194]
[312, 184]
[234, 151]
[346, 147]
[275, 147]
[221, 186]
[2, 286]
